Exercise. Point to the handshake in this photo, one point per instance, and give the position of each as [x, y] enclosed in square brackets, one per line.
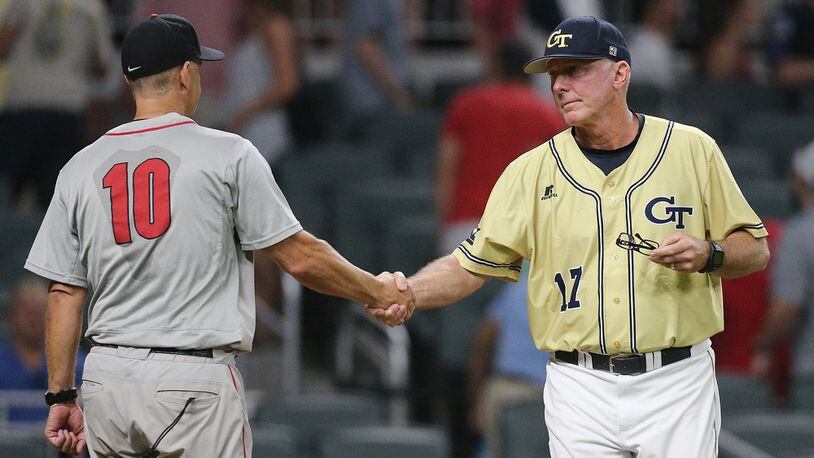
[394, 301]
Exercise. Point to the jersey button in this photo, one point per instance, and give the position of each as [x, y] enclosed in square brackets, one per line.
[614, 257]
[616, 300]
[612, 199]
[611, 184]
[617, 344]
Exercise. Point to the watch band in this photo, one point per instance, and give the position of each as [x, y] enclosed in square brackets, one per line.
[60, 396]
[716, 257]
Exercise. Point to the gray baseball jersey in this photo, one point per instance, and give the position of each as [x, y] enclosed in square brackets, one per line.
[158, 219]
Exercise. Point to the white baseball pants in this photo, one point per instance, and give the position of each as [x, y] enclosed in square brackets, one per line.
[672, 411]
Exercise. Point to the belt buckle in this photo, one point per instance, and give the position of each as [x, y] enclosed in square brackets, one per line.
[618, 357]
[610, 364]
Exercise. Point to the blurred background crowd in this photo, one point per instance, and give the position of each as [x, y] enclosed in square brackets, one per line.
[386, 123]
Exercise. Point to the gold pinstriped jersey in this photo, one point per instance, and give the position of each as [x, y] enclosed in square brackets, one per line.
[555, 208]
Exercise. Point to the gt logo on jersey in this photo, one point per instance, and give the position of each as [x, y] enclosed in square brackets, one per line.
[559, 39]
[672, 213]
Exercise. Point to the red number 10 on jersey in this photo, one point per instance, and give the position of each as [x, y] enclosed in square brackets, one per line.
[151, 199]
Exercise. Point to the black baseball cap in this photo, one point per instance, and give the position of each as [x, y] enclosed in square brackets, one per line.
[161, 42]
[582, 37]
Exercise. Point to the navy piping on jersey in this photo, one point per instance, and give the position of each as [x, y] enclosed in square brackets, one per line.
[485, 262]
[752, 226]
[600, 241]
[629, 220]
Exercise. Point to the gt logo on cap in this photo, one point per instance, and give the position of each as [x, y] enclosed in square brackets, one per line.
[558, 39]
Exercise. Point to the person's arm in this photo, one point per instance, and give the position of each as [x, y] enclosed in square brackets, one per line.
[63, 326]
[795, 71]
[374, 60]
[781, 321]
[7, 35]
[279, 41]
[448, 154]
[443, 282]
[480, 365]
[684, 253]
[315, 264]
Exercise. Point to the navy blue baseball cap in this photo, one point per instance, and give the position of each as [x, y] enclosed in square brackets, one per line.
[161, 42]
[582, 37]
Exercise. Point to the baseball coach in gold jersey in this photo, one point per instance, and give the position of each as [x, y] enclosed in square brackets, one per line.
[629, 222]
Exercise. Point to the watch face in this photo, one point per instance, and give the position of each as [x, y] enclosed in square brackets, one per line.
[718, 258]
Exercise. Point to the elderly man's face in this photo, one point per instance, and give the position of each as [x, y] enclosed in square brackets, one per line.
[581, 88]
[26, 321]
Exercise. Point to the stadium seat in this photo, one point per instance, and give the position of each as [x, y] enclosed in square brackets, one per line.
[769, 198]
[312, 180]
[802, 394]
[403, 133]
[807, 99]
[748, 167]
[24, 443]
[741, 393]
[777, 433]
[313, 112]
[458, 323]
[5, 196]
[389, 441]
[18, 234]
[443, 91]
[367, 209]
[310, 415]
[729, 98]
[523, 431]
[411, 242]
[713, 125]
[780, 134]
[647, 99]
[278, 441]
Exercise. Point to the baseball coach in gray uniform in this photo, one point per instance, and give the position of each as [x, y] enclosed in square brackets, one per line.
[160, 218]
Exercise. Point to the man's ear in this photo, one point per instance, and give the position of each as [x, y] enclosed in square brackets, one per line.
[185, 75]
[621, 73]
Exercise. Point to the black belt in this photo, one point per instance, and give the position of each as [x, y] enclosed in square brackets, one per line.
[170, 351]
[625, 364]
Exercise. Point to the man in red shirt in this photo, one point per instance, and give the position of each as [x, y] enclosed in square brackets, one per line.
[487, 127]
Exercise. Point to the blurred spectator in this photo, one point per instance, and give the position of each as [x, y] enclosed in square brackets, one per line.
[746, 303]
[374, 58]
[56, 49]
[487, 127]
[724, 30]
[792, 47]
[494, 22]
[652, 45]
[792, 289]
[22, 358]
[215, 24]
[263, 77]
[504, 367]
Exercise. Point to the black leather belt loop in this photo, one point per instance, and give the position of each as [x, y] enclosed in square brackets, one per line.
[170, 351]
[625, 364]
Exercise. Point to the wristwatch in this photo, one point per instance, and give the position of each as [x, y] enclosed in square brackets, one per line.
[60, 396]
[716, 257]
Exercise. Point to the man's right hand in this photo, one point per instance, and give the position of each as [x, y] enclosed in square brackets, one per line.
[397, 302]
[64, 428]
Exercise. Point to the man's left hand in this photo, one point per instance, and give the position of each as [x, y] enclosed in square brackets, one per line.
[682, 253]
[64, 428]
